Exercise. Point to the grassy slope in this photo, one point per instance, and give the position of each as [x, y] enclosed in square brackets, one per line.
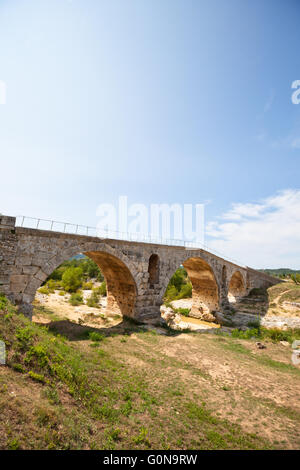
[135, 389]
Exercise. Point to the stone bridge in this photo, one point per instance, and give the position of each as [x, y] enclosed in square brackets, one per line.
[136, 273]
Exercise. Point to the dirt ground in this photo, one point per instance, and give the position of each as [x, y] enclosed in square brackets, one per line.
[257, 389]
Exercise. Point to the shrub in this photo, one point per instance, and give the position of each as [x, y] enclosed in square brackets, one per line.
[76, 299]
[94, 336]
[101, 290]
[18, 367]
[36, 377]
[296, 278]
[44, 290]
[13, 444]
[171, 293]
[93, 299]
[254, 323]
[183, 311]
[72, 279]
[179, 286]
[247, 334]
[52, 284]
[24, 337]
[87, 286]
[185, 291]
[274, 334]
[88, 267]
[3, 301]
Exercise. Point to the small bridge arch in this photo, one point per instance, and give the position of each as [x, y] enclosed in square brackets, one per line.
[237, 286]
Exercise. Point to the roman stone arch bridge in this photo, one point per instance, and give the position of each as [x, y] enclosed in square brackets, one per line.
[136, 273]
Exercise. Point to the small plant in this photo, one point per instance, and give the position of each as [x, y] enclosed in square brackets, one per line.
[142, 437]
[44, 290]
[87, 286]
[247, 334]
[24, 337]
[254, 323]
[94, 336]
[76, 299]
[52, 285]
[115, 434]
[18, 367]
[183, 311]
[225, 388]
[101, 290]
[13, 444]
[3, 301]
[93, 299]
[37, 377]
[62, 293]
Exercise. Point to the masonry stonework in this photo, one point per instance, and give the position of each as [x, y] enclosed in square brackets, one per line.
[134, 288]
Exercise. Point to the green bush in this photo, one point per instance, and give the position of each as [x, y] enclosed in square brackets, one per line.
[274, 334]
[3, 301]
[101, 290]
[44, 290]
[37, 377]
[245, 334]
[18, 367]
[88, 267]
[179, 286]
[53, 284]
[87, 286]
[93, 299]
[72, 279]
[24, 337]
[94, 336]
[254, 324]
[295, 278]
[185, 291]
[76, 299]
[183, 311]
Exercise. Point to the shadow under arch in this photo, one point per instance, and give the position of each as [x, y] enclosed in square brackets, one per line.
[236, 286]
[120, 284]
[205, 294]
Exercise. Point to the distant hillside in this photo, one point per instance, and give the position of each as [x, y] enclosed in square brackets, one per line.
[280, 271]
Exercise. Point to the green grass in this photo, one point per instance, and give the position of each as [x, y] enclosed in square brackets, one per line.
[273, 334]
[78, 397]
[236, 347]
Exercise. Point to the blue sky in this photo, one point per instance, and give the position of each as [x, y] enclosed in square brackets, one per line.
[163, 101]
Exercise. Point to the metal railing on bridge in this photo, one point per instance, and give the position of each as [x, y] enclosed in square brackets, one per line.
[77, 229]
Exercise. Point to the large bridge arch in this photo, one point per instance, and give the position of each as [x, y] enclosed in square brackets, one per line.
[205, 293]
[205, 285]
[118, 271]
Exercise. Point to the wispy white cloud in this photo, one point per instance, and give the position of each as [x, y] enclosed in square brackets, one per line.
[262, 234]
[287, 142]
